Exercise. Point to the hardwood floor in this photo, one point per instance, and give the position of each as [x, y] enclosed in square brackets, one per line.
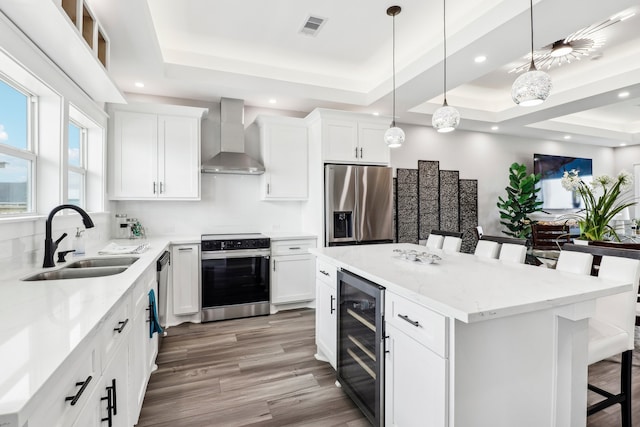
[261, 372]
[258, 371]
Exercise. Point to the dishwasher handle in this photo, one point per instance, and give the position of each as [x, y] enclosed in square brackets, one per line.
[163, 261]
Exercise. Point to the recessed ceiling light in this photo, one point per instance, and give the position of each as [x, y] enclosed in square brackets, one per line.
[622, 144]
[623, 94]
[479, 59]
[495, 127]
[567, 137]
[375, 113]
[139, 84]
[273, 101]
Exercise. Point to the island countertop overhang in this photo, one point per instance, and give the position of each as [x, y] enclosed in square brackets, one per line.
[466, 287]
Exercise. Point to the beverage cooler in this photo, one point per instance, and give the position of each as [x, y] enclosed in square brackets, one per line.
[361, 344]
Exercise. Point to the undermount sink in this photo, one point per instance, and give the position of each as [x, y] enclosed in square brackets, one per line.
[76, 273]
[124, 261]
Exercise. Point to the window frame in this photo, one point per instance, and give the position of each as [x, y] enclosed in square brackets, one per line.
[30, 153]
[82, 169]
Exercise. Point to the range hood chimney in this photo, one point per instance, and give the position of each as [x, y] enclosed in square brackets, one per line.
[232, 159]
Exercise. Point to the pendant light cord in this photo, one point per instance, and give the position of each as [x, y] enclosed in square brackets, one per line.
[444, 26]
[393, 65]
[532, 67]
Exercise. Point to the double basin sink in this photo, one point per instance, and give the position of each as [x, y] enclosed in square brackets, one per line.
[86, 268]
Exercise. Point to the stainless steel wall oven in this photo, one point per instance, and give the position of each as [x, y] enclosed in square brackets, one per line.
[235, 276]
[361, 344]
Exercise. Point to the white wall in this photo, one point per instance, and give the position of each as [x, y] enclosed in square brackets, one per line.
[628, 158]
[487, 157]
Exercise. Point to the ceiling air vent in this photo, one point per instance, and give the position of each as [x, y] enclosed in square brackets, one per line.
[312, 25]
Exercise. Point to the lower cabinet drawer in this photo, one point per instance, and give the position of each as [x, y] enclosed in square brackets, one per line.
[326, 272]
[64, 397]
[115, 329]
[425, 326]
[292, 247]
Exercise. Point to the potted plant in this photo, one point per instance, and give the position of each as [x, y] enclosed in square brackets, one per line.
[521, 201]
[602, 202]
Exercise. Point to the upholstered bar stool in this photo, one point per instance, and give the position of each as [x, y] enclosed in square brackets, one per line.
[487, 249]
[513, 253]
[452, 244]
[611, 329]
[435, 241]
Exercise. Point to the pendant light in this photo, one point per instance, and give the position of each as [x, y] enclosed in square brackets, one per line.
[394, 136]
[446, 118]
[534, 86]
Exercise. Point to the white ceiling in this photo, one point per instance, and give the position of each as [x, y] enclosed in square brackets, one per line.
[253, 50]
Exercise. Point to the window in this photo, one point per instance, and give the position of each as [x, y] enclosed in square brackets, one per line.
[17, 157]
[77, 171]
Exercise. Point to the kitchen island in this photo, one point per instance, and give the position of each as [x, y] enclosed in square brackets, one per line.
[474, 342]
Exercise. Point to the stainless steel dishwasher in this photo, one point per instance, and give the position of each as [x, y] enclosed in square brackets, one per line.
[163, 267]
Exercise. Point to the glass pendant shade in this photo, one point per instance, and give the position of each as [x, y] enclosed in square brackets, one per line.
[531, 88]
[394, 137]
[445, 119]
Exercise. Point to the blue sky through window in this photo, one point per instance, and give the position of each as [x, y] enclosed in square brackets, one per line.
[13, 117]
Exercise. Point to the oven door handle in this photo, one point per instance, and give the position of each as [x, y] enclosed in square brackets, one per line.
[235, 254]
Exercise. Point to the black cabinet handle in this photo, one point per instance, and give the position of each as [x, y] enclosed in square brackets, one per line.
[406, 318]
[360, 152]
[111, 403]
[295, 248]
[154, 187]
[332, 300]
[356, 152]
[84, 384]
[122, 324]
[325, 273]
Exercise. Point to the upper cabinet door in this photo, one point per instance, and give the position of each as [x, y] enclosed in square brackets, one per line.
[285, 152]
[373, 149]
[134, 155]
[178, 157]
[340, 141]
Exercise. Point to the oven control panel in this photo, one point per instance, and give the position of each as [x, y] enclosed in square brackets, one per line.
[235, 244]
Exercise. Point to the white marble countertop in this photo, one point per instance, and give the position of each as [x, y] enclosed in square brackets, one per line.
[467, 287]
[44, 321]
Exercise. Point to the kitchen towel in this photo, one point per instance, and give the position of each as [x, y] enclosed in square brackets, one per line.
[154, 323]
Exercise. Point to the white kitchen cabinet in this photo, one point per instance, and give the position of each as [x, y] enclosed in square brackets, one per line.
[292, 271]
[185, 260]
[109, 402]
[155, 156]
[326, 312]
[416, 367]
[70, 390]
[351, 137]
[285, 153]
[143, 348]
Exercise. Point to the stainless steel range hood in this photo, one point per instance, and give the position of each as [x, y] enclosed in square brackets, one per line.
[232, 159]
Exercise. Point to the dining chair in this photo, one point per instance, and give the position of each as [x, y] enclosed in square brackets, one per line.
[452, 244]
[487, 249]
[513, 253]
[611, 329]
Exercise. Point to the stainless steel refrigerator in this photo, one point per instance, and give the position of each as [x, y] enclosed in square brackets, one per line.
[358, 204]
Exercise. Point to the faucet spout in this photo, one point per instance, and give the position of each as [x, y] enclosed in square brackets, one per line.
[49, 245]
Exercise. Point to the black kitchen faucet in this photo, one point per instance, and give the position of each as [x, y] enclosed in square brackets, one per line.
[49, 245]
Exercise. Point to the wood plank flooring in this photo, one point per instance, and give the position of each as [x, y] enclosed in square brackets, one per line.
[261, 372]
